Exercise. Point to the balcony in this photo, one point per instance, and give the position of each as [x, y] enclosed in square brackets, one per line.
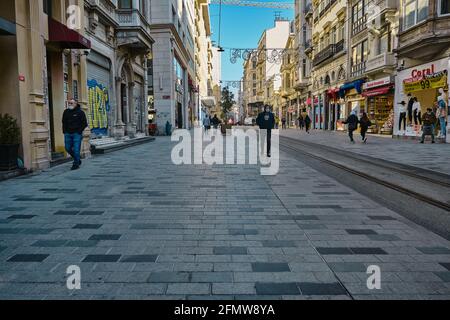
[425, 40]
[380, 62]
[301, 84]
[385, 5]
[339, 46]
[133, 30]
[358, 69]
[359, 25]
[308, 10]
[324, 55]
[106, 9]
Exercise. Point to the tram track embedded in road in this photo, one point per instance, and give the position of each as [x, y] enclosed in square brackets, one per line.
[295, 145]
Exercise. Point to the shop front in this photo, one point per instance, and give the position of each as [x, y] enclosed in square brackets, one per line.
[292, 113]
[351, 100]
[99, 94]
[417, 89]
[380, 105]
[333, 107]
[317, 112]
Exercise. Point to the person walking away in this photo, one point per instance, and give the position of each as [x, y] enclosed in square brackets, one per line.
[266, 122]
[442, 112]
[352, 122]
[283, 123]
[74, 122]
[428, 120]
[215, 121]
[207, 123]
[300, 122]
[365, 124]
[307, 123]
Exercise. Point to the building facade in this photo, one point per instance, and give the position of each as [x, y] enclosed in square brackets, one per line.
[117, 67]
[303, 46]
[262, 69]
[329, 62]
[204, 59]
[217, 79]
[423, 64]
[42, 65]
[172, 29]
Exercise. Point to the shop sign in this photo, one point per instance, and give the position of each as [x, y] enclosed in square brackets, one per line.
[429, 81]
[377, 83]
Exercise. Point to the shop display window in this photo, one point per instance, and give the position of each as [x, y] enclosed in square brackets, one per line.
[379, 110]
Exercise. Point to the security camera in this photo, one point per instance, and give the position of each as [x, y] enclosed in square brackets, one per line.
[86, 52]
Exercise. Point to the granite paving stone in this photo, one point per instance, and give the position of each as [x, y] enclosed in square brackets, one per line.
[140, 227]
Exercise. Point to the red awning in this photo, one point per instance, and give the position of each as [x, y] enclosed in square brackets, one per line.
[65, 37]
[377, 91]
[333, 92]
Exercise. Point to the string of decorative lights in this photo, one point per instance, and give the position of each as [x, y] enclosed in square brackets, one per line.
[276, 54]
[237, 83]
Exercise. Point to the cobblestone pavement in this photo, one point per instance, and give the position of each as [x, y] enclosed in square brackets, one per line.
[434, 157]
[140, 227]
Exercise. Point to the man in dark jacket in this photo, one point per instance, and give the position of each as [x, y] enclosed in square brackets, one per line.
[428, 121]
[365, 123]
[307, 123]
[352, 122]
[215, 121]
[74, 122]
[266, 122]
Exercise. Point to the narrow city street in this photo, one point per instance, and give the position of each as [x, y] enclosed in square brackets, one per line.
[140, 227]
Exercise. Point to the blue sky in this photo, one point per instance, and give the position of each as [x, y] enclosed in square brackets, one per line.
[241, 28]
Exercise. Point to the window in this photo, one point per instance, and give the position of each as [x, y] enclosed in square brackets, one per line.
[304, 68]
[385, 41]
[333, 35]
[48, 7]
[125, 4]
[358, 11]
[414, 12]
[359, 53]
[444, 7]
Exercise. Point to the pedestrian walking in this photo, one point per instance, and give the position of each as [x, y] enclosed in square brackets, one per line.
[307, 123]
[207, 124]
[266, 122]
[74, 122]
[283, 123]
[301, 123]
[215, 121]
[428, 121]
[352, 122]
[365, 124]
[168, 128]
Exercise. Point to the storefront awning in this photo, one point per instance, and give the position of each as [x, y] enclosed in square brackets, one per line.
[65, 37]
[351, 85]
[377, 91]
[7, 28]
[332, 92]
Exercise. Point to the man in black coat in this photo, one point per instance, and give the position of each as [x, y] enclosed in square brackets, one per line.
[266, 122]
[352, 122]
[74, 122]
